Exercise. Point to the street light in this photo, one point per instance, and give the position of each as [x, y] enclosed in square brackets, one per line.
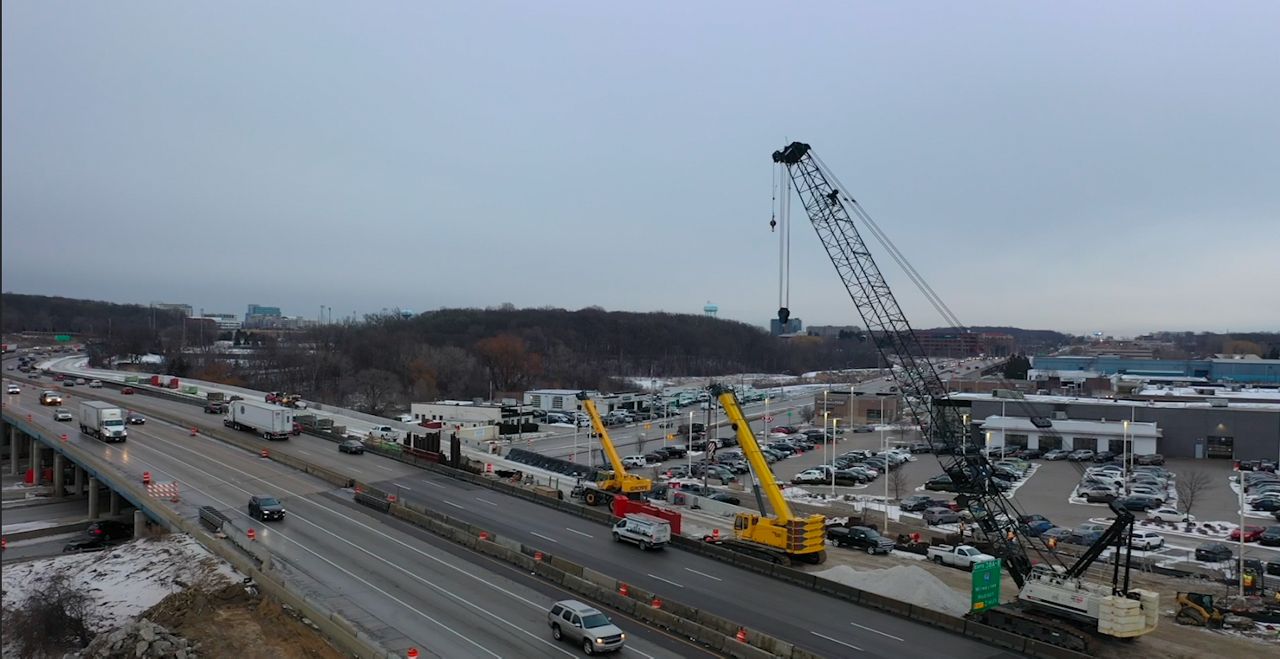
[832, 442]
[1124, 446]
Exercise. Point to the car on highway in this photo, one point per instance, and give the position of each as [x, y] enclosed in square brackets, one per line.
[1251, 533]
[940, 515]
[264, 507]
[14, 389]
[135, 419]
[50, 398]
[1165, 514]
[1213, 552]
[95, 384]
[215, 407]
[352, 446]
[62, 415]
[859, 537]
[1057, 454]
[81, 381]
[584, 626]
[127, 391]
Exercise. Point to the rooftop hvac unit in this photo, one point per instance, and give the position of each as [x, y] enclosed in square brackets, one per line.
[1060, 416]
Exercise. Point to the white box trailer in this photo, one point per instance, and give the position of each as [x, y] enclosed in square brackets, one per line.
[269, 421]
[103, 420]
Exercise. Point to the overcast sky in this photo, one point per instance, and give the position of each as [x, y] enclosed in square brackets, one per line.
[1071, 166]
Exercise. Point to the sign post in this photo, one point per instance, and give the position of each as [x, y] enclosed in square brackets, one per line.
[986, 585]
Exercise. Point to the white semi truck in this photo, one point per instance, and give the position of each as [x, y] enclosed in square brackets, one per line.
[264, 419]
[103, 420]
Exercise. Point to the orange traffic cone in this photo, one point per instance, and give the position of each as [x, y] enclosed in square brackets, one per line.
[741, 635]
[656, 603]
[265, 454]
[484, 535]
[64, 436]
[715, 535]
[194, 431]
[412, 653]
[623, 590]
[537, 556]
[252, 535]
[146, 478]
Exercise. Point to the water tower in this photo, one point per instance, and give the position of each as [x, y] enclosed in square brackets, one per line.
[709, 309]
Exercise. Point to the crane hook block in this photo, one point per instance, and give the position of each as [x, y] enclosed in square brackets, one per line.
[784, 314]
[773, 224]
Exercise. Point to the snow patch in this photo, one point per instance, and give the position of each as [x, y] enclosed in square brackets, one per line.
[906, 583]
[28, 526]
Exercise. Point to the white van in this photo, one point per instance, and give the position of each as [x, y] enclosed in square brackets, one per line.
[645, 530]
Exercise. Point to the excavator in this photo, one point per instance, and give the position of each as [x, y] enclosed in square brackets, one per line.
[1056, 603]
[784, 537]
[608, 483]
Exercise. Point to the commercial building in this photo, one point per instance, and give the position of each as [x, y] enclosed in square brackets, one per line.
[957, 344]
[1234, 369]
[1209, 428]
[566, 400]
[792, 326]
[856, 408]
[224, 321]
[471, 415]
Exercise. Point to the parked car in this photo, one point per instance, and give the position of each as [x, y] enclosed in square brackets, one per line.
[940, 515]
[859, 537]
[636, 461]
[1138, 502]
[919, 447]
[1057, 454]
[584, 626]
[353, 446]
[1270, 537]
[1150, 459]
[725, 497]
[263, 507]
[1080, 455]
[1251, 533]
[1030, 453]
[919, 502]
[1104, 456]
[1266, 504]
[1145, 539]
[941, 483]
[1037, 527]
[1055, 534]
[1170, 515]
[654, 457]
[1082, 538]
[1213, 552]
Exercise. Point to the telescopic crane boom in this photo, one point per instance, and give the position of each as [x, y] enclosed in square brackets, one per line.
[617, 481]
[783, 537]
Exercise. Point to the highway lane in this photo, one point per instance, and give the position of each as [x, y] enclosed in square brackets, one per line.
[811, 620]
[51, 510]
[404, 589]
[583, 542]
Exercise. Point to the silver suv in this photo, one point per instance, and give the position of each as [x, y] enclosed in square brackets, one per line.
[585, 626]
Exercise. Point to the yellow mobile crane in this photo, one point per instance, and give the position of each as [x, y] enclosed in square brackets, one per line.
[607, 482]
[783, 537]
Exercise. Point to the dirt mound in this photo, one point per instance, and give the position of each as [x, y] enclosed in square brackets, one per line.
[239, 623]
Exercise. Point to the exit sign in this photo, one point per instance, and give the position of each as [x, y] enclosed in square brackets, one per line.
[62, 338]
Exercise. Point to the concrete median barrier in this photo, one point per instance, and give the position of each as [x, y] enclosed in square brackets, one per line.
[997, 637]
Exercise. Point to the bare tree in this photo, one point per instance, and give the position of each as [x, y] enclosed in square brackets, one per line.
[1189, 487]
[897, 483]
[807, 413]
[50, 621]
[375, 391]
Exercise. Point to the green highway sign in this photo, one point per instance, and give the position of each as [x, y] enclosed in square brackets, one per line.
[986, 585]
[62, 337]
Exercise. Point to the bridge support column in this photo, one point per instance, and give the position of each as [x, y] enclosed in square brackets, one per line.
[78, 488]
[35, 461]
[93, 498]
[59, 480]
[14, 449]
[139, 523]
[115, 504]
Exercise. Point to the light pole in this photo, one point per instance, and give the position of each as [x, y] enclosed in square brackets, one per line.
[1124, 446]
[689, 445]
[831, 441]
[575, 441]
[884, 449]
[1240, 552]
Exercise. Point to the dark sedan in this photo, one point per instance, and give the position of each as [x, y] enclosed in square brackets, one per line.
[724, 497]
[1270, 537]
[918, 502]
[859, 537]
[940, 484]
[1138, 502]
[1213, 552]
[352, 446]
[135, 419]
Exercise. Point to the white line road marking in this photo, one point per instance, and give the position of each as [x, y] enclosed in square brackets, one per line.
[877, 631]
[833, 640]
[303, 451]
[432, 484]
[452, 504]
[704, 574]
[301, 498]
[404, 487]
[666, 580]
[383, 468]
[491, 503]
[587, 535]
[544, 537]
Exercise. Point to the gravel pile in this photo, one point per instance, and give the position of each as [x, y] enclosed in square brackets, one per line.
[906, 583]
[141, 639]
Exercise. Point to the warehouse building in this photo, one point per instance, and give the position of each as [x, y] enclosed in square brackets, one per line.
[1215, 428]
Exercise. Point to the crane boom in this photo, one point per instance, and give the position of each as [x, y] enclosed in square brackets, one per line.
[751, 449]
[619, 480]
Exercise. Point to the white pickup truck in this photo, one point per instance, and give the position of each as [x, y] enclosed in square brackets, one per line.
[961, 556]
